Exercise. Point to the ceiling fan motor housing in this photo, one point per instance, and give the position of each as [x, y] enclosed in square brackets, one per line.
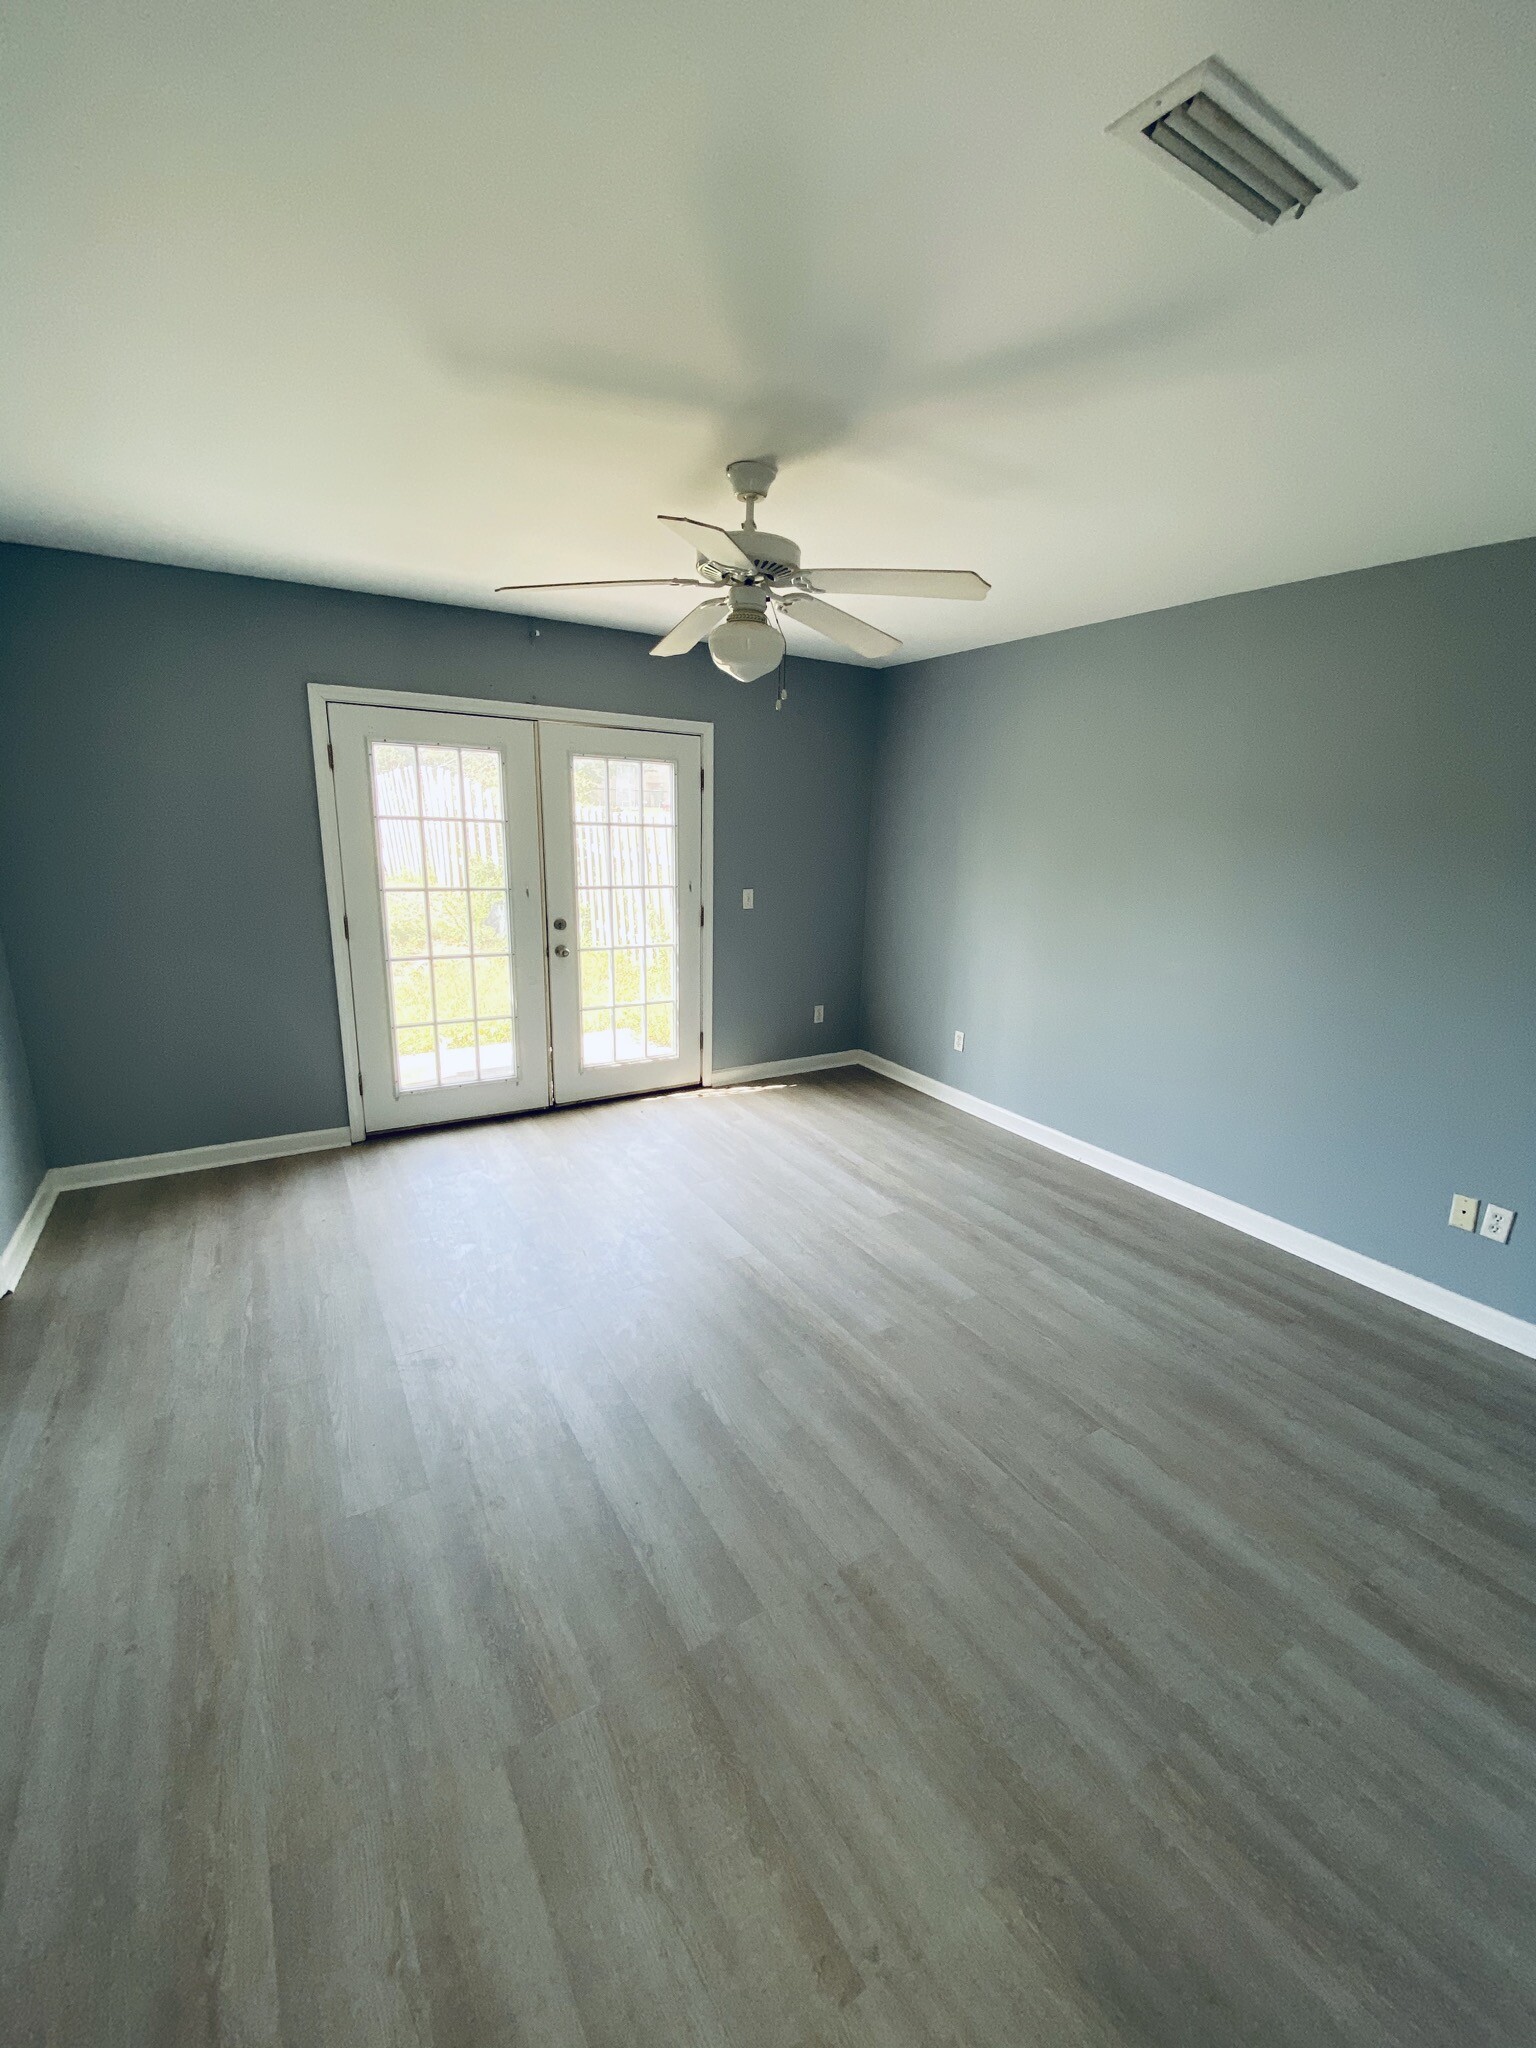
[774, 556]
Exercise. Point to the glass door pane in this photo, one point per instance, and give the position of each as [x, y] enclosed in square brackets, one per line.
[624, 818]
[440, 826]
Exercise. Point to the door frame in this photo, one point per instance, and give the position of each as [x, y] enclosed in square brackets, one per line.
[323, 695]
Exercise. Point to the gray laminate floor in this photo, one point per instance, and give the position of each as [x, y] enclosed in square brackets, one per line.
[795, 1566]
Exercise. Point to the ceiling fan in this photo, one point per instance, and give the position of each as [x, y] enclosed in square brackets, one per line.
[757, 579]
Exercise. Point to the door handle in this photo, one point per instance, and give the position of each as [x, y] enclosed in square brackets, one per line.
[562, 952]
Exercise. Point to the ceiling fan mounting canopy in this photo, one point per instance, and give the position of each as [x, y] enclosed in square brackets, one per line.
[751, 476]
[756, 578]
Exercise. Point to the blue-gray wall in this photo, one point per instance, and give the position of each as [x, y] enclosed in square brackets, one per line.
[1245, 891]
[21, 1150]
[160, 873]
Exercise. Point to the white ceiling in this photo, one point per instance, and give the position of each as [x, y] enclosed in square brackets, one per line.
[423, 299]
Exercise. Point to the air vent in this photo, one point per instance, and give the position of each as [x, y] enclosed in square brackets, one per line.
[1214, 132]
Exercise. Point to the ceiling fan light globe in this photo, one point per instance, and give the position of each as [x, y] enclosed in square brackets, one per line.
[746, 647]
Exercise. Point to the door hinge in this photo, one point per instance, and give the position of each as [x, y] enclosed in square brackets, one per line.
[701, 778]
[701, 1041]
[346, 926]
[701, 913]
[330, 756]
[359, 1086]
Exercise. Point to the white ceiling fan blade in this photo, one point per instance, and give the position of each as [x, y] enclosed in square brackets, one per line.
[713, 542]
[616, 583]
[898, 582]
[690, 631]
[837, 625]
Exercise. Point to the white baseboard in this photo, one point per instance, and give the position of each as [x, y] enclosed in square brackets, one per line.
[775, 1070]
[1441, 1302]
[102, 1173]
[23, 1239]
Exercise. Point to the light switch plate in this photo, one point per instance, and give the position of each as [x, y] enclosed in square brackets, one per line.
[819, 1014]
[1498, 1223]
[746, 898]
[959, 1041]
[1463, 1214]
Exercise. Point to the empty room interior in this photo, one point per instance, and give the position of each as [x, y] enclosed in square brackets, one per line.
[768, 1025]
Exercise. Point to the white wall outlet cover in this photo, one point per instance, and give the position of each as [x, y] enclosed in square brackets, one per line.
[819, 1014]
[746, 898]
[959, 1041]
[1498, 1223]
[1463, 1214]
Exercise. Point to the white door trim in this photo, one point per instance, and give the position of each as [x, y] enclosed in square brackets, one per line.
[323, 695]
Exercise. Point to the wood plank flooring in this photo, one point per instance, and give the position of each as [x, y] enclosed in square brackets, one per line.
[794, 1566]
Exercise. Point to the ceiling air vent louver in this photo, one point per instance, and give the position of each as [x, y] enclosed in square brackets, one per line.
[1216, 134]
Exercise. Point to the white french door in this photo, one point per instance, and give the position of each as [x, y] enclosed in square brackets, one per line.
[439, 830]
[521, 913]
[623, 875]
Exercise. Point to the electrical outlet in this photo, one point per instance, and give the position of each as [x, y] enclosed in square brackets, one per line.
[1463, 1214]
[959, 1041]
[746, 898]
[819, 1014]
[1498, 1223]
